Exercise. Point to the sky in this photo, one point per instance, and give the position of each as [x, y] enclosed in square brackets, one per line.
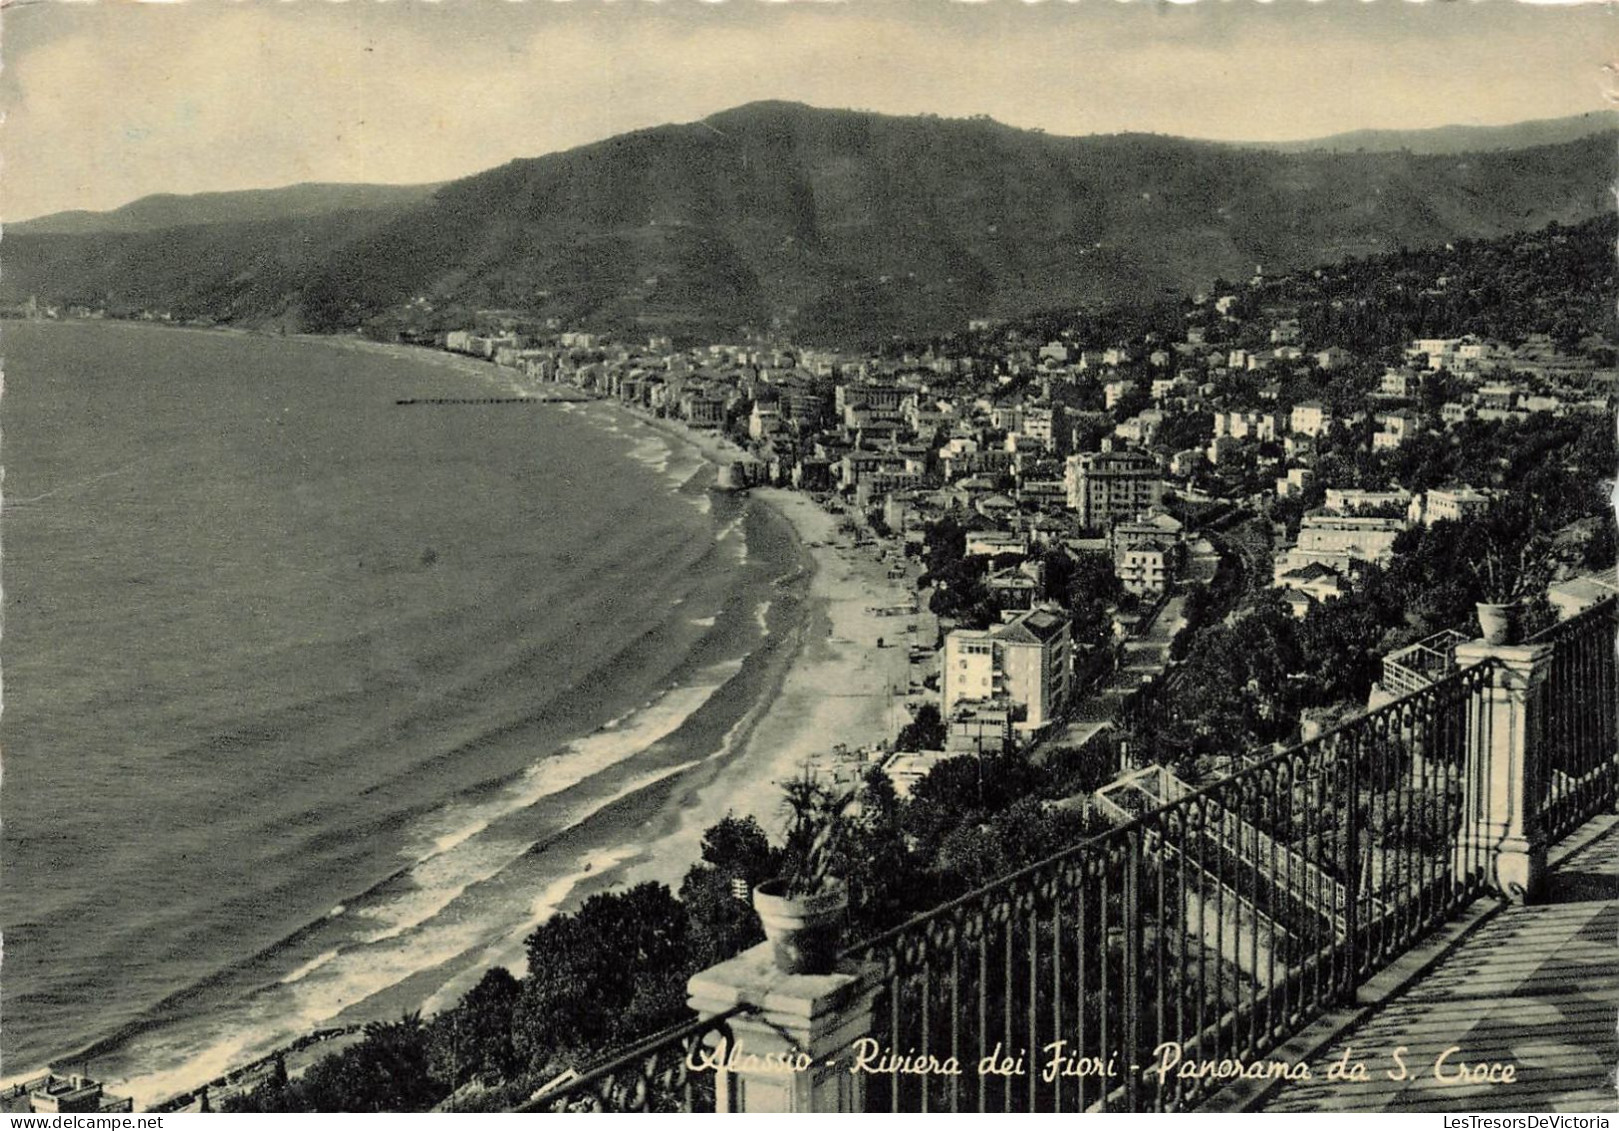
[107, 102]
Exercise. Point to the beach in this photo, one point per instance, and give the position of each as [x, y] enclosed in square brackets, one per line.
[835, 688]
[838, 688]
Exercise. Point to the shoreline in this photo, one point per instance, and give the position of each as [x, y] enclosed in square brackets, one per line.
[830, 686]
[836, 689]
[812, 707]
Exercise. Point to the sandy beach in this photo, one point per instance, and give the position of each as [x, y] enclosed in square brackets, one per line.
[839, 686]
[838, 689]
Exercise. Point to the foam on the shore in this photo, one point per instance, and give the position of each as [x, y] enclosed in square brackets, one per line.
[452, 904]
[437, 937]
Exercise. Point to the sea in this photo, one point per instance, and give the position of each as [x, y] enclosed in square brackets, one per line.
[316, 704]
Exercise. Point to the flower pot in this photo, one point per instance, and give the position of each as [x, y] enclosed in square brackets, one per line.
[1499, 623]
[803, 930]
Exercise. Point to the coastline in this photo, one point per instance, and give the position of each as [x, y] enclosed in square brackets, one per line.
[836, 690]
[830, 685]
[837, 687]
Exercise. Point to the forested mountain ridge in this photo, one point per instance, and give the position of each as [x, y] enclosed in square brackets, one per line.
[835, 226]
[168, 210]
[1458, 139]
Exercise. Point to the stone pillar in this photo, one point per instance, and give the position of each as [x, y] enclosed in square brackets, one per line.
[806, 1021]
[1507, 770]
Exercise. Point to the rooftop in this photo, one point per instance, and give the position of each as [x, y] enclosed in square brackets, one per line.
[1036, 626]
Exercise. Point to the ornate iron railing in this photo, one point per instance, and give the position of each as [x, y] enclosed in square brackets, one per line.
[1578, 720]
[1134, 970]
[666, 1073]
[1138, 970]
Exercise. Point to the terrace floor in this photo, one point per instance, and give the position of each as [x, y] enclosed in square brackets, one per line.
[1533, 987]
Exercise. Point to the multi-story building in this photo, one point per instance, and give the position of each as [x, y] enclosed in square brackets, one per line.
[1317, 582]
[1394, 429]
[1187, 462]
[1025, 662]
[1449, 504]
[1147, 552]
[1310, 419]
[1398, 383]
[1219, 448]
[878, 397]
[1106, 486]
[1295, 483]
[765, 420]
[1007, 417]
[1014, 588]
[1435, 349]
[703, 411]
[1352, 537]
[1455, 412]
[1334, 357]
[60, 1095]
[993, 543]
[1145, 568]
[1045, 424]
[1142, 428]
[1352, 500]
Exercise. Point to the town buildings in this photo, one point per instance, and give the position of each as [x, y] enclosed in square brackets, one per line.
[1449, 504]
[1106, 486]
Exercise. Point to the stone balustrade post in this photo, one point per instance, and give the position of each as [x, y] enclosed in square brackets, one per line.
[792, 1053]
[1508, 766]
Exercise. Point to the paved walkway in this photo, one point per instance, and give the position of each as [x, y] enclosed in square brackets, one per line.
[1534, 987]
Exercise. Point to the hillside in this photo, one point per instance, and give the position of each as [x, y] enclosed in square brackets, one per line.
[827, 225]
[1459, 139]
[152, 213]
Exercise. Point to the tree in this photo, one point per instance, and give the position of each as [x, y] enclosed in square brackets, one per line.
[1183, 430]
[720, 925]
[473, 1041]
[387, 1071]
[1342, 645]
[924, 732]
[738, 847]
[1057, 567]
[1093, 579]
[1082, 769]
[593, 971]
[888, 882]
[1136, 398]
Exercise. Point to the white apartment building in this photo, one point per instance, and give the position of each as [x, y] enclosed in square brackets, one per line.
[1026, 662]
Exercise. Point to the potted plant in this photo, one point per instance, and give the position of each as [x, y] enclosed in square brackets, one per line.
[1512, 564]
[802, 909]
